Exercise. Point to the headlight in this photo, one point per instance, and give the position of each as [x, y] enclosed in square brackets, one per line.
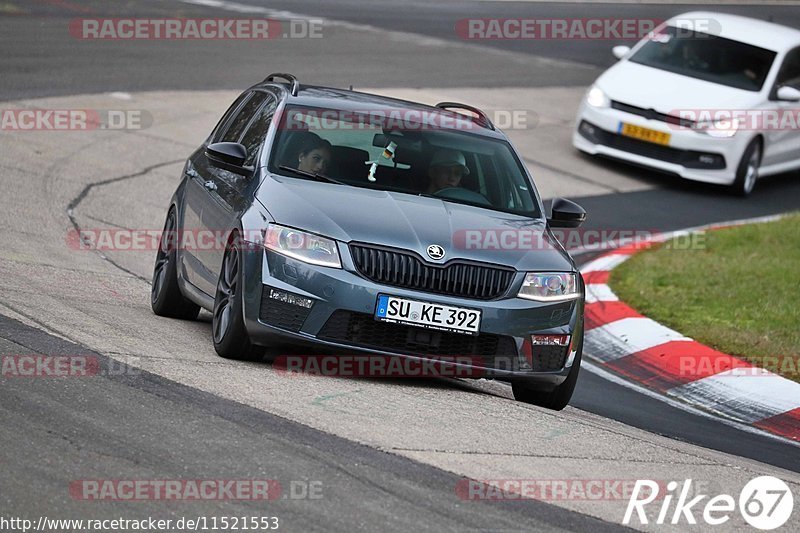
[721, 129]
[549, 286]
[302, 246]
[597, 98]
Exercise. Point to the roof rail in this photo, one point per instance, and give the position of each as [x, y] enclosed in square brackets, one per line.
[288, 77]
[481, 116]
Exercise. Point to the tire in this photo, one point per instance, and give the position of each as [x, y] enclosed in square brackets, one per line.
[747, 171]
[231, 340]
[557, 399]
[166, 298]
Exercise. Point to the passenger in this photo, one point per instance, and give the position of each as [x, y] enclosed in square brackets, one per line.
[314, 155]
[446, 170]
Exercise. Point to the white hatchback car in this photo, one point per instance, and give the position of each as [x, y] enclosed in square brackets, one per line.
[718, 106]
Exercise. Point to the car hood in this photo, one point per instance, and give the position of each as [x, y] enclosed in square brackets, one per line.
[652, 88]
[354, 214]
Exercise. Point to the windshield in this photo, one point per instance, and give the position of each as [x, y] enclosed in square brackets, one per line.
[420, 157]
[706, 57]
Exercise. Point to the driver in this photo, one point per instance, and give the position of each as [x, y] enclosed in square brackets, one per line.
[446, 170]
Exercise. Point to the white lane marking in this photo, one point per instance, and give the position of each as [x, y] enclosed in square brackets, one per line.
[599, 292]
[627, 336]
[748, 398]
[607, 262]
[641, 389]
[121, 95]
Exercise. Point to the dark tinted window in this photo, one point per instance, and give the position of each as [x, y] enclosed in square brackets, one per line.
[242, 119]
[226, 118]
[790, 70]
[707, 57]
[257, 131]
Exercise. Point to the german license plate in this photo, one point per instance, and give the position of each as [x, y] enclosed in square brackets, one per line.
[644, 134]
[427, 315]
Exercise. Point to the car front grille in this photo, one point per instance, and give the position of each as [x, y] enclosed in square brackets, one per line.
[652, 114]
[362, 330]
[404, 269]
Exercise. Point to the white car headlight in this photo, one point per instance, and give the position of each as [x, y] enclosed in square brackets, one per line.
[550, 286]
[721, 129]
[597, 98]
[302, 246]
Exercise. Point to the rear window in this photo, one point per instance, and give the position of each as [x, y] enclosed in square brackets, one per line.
[707, 57]
[405, 155]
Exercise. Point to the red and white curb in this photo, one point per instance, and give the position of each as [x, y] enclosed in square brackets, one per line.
[623, 341]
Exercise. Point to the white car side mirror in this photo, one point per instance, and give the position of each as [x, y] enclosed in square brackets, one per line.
[788, 94]
[620, 51]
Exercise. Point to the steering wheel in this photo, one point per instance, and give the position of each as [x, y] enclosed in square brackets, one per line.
[465, 195]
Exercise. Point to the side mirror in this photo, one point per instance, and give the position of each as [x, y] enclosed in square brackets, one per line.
[566, 214]
[788, 94]
[620, 51]
[229, 156]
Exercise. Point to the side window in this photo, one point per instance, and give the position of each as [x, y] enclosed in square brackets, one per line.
[237, 126]
[226, 118]
[257, 131]
[790, 70]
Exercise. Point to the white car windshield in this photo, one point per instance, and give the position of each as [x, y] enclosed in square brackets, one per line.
[706, 57]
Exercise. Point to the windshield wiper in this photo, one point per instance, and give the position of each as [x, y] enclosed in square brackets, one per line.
[313, 175]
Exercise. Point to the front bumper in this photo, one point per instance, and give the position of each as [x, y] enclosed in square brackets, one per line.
[690, 155]
[342, 298]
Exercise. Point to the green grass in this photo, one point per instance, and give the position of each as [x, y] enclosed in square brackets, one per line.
[737, 291]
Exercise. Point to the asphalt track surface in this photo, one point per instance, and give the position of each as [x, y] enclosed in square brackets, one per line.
[155, 424]
[78, 427]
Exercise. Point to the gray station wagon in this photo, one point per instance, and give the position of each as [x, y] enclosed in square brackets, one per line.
[352, 223]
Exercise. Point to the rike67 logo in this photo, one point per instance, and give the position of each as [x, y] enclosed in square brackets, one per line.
[765, 503]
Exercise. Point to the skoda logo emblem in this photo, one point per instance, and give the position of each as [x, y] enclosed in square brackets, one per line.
[435, 251]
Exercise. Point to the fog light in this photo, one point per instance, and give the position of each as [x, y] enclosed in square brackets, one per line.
[550, 340]
[548, 353]
[289, 298]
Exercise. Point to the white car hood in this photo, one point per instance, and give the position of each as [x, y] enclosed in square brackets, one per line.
[651, 88]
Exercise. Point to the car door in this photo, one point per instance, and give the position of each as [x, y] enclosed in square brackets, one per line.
[783, 139]
[195, 198]
[231, 193]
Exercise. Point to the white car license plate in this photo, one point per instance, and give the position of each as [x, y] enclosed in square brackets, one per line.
[428, 315]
